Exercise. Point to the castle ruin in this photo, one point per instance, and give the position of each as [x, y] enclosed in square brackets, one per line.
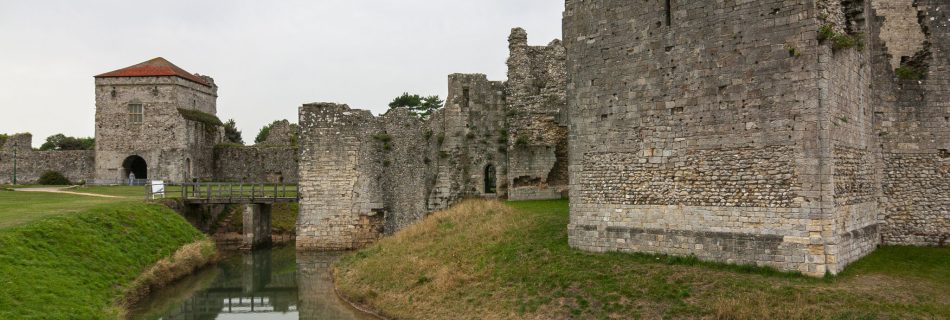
[778, 133]
[363, 176]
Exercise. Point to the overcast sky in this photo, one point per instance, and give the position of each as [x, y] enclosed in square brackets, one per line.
[268, 57]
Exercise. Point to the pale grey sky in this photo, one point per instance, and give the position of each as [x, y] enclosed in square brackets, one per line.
[268, 57]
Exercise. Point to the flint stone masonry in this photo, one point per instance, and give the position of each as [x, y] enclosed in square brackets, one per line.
[256, 164]
[174, 147]
[362, 176]
[913, 121]
[77, 166]
[728, 131]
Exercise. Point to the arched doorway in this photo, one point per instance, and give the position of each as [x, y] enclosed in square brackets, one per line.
[135, 165]
[490, 184]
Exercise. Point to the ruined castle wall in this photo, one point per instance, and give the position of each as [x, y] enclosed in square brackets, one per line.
[470, 136]
[406, 167]
[537, 129]
[77, 166]
[341, 204]
[696, 133]
[850, 225]
[256, 164]
[913, 119]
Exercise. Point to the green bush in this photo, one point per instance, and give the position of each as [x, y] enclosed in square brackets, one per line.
[909, 73]
[53, 178]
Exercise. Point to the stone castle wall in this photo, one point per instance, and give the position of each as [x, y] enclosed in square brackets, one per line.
[912, 118]
[77, 166]
[537, 126]
[686, 139]
[341, 203]
[255, 164]
[731, 132]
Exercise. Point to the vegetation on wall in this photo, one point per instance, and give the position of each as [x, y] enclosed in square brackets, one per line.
[840, 41]
[62, 142]
[231, 133]
[198, 116]
[908, 72]
[3, 139]
[419, 105]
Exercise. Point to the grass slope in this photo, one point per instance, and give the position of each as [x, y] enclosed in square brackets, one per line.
[21, 207]
[486, 260]
[76, 266]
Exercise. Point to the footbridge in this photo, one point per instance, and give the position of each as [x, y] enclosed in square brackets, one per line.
[258, 199]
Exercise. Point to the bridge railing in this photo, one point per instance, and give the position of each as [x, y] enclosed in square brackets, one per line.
[218, 192]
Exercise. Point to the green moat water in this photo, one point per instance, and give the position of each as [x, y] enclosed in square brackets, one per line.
[276, 283]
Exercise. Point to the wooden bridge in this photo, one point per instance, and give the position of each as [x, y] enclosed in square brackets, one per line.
[258, 199]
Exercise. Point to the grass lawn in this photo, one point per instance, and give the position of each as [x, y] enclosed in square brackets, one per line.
[76, 266]
[21, 207]
[488, 260]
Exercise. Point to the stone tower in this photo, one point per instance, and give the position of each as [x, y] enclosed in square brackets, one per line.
[157, 121]
[757, 132]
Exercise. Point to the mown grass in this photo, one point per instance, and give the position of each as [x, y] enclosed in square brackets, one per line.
[77, 266]
[21, 207]
[487, 260]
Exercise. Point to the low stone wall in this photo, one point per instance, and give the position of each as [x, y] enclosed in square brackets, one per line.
[77, 166]
[256, 164]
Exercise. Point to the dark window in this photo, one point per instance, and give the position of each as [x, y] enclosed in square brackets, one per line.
[465, 98]
[669, 13]
[490, 184]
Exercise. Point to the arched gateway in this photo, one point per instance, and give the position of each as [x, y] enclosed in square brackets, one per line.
[135, 165]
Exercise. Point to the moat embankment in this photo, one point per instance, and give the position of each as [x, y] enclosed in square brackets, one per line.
[277, 283]
[80, 265]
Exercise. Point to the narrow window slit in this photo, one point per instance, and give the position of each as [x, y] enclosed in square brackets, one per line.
[669, 13]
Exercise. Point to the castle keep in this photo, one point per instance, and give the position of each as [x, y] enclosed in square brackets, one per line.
[793, 134]
[363, 176]
[154, 119]
[158, 122]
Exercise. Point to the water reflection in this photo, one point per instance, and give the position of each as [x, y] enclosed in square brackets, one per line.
[265, 284]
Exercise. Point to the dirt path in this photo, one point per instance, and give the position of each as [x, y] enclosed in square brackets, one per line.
[64, 190]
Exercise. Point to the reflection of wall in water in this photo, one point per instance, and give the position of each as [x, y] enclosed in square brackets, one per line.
[317, 298]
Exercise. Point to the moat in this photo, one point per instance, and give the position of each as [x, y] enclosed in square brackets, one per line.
[277, 283]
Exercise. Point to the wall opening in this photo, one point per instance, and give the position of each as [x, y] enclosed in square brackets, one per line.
[491, 184]
[669, 13]
[465, 98]
[135, 165]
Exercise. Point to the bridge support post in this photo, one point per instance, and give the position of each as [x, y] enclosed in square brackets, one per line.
[257, 226]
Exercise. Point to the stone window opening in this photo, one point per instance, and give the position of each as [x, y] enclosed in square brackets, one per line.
[135, 113]
[490, 180]
[188, 173]
[669, 13]
[465, 98]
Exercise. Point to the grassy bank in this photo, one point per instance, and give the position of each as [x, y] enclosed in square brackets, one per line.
[79, 265]
[21, 207]
[494, 261]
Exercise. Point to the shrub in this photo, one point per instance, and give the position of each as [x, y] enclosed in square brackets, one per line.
[53, 178]
[909, 73]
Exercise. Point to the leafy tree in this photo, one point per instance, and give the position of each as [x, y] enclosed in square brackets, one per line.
[232, 133]
[421, 106]
[63, 142]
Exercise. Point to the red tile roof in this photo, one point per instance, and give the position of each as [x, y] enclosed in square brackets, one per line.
[158, 67]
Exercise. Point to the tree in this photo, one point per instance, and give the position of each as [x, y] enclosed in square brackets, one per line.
[421, 106]
[232, 133]
[63, 142]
